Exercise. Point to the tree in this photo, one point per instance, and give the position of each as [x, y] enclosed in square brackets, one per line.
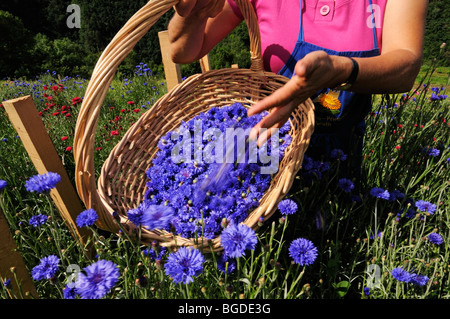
[13, 57]
[437, 31]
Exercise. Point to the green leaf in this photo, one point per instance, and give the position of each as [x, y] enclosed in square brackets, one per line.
[342, 288]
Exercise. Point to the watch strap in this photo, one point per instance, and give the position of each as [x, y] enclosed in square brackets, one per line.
[352, 77]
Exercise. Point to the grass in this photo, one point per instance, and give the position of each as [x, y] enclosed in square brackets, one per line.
[360, 238]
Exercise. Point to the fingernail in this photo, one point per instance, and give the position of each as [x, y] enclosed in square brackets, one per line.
[252, 136]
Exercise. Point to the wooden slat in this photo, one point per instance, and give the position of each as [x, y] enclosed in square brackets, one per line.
[171, 69]
[11, 258]
[205, 64]
[24, 117]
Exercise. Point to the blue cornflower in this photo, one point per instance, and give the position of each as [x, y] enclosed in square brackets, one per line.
[237, 238]
[3, 184]
[226, 264]
[287, 207]
[303, 251]
[184, 264]
[396, 194]
[154, 253]
[156, 216]
[425, 206]
[46, 269]
[377, 236]
[338, 154]
[7, 283]
[434, 152]
[379, 193]
[410, 213]
[366, 291]
[87, 218]
[100, 277]
[346, 185]
[401, 275]
[194, 190]
[38, 220]
[135, 216]
[42, 183]
[435, 238]
[419, 280]
[69, 292]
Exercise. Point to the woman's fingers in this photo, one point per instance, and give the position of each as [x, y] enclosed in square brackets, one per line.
[280, 97]
[271, 122]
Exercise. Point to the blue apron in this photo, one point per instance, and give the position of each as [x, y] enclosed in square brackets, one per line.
[341, 128]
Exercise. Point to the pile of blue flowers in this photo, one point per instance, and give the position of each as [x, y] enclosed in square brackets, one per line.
[200, 197]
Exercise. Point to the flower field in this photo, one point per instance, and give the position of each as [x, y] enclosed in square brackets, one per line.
[387, 236]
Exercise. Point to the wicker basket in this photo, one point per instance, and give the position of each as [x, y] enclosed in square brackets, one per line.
[122, 182]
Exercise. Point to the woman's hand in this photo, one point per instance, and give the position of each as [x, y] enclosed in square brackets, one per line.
[200, 8]
[317, 70]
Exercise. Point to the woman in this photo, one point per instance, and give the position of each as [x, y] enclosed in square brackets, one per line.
[336, 52]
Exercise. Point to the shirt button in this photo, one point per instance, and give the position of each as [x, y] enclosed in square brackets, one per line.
[325, 10]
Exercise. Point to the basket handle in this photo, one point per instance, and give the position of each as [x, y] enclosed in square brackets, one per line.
[117, 50]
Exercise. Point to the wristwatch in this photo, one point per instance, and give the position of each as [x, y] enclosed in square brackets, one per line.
[351, 79]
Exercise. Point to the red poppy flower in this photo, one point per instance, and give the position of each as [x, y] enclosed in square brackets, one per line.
[64, 138]
[115, 132]
[69, 148]
[76, 100]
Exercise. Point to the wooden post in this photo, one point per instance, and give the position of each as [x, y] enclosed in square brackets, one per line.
[205, 64]
[11, 260]
[171, 69]
[24, 117]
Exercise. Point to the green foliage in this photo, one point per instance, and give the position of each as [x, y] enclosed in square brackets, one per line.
[61, 55]
[14, 46]
[101, 20]
[437, 31]
[360, 238]
[234, 49]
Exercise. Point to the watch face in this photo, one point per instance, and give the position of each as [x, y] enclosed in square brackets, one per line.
[344, 86]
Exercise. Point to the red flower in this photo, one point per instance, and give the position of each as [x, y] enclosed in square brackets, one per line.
[45, 88]
[76, 100]
[136, 110]
[130, 102]
[56, 113]
[115, 132]
[398, 147]
[69, 148]
[64, 138]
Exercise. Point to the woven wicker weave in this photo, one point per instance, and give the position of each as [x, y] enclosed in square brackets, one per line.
[122, 182]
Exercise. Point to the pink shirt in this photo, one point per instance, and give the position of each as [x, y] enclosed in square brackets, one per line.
[339, 25]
